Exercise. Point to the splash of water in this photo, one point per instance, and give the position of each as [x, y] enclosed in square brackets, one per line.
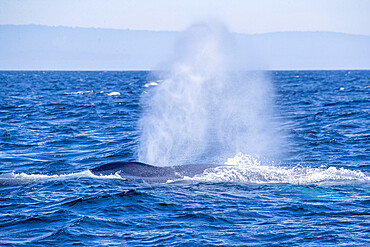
[248, 169]
[204, 110]
[11, 179]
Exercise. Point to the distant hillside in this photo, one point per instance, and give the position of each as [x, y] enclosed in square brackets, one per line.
[34, 47]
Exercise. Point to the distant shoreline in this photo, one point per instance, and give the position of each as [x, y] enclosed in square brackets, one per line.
[38, 47]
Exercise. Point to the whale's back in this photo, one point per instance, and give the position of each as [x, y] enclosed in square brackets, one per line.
[148, 172]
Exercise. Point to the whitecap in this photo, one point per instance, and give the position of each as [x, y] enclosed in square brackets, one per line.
[248, 169]
[114, 94]
[152, 83]
[8, 179]
[79, 92]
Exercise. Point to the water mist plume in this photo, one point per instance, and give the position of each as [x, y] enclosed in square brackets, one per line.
[205, 110]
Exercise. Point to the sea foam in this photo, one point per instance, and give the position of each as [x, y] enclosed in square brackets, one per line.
[248, 169]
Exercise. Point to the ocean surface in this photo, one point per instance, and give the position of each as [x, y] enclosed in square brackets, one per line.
[54, 126]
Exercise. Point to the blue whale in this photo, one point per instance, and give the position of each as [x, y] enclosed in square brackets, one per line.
[138, 170]
[128, 170]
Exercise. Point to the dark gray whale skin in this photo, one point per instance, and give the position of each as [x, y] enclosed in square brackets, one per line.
[138, 170]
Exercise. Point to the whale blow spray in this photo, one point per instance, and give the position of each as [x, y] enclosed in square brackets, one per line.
[206, 109]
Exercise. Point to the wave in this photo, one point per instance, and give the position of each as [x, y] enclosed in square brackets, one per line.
[92, 92]
[248, 169]
[10, 179]
[153, 83]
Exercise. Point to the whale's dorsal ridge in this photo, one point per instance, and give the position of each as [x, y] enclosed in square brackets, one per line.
[115, 166]
[133, 169]
[127, 169]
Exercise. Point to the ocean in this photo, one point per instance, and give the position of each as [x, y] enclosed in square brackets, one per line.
[55, 125]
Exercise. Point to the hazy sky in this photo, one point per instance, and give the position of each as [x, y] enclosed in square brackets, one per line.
[348, 16]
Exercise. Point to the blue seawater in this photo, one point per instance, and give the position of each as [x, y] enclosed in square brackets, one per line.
[54, 126]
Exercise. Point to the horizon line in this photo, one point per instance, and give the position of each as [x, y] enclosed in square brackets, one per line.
[179, 31]
[149, 70]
